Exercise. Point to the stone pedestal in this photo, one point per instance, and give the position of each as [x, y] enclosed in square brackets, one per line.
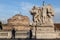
[44, 32]
[44, 29]
[46, 35]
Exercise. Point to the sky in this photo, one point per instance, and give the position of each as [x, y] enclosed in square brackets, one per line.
[9, 8]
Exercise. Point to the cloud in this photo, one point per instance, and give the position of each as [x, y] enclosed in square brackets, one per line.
[57, 15]
[25, 7]
[57, 10]
[7, 11]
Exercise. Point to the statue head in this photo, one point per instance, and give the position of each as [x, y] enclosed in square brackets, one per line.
[50, 11]
[34, 9]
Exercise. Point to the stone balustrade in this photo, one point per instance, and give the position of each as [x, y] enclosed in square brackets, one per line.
[5, 34]
[18, 34]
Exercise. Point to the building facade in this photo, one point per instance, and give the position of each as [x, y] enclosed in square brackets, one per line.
[19, 22]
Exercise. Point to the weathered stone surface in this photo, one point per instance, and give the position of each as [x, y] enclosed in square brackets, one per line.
[19, 22]
[18, 34]
[5, 34]
[43, 26]
[43, 15]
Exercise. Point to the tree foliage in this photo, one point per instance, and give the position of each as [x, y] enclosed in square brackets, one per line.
[0, 25]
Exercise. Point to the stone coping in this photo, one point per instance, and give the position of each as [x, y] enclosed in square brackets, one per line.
[11, 30]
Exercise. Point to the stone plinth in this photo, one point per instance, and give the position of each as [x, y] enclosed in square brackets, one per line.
[44, 32]
[45, 29]
[46, 35]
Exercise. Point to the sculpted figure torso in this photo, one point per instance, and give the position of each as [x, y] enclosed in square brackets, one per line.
[37, 14]
[44, 15]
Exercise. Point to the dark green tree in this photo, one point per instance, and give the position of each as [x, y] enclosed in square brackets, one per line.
[0, 25]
